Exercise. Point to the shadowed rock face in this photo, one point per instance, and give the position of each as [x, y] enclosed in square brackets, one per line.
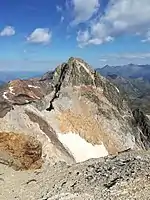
[142, 121]
[47, 76]
[5, 107]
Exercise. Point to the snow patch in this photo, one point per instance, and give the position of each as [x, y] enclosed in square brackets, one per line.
[33, 86]
[35, 96]
[117, 89]
[148, 116]
[11, 90]
[80, 148]
[4, 95]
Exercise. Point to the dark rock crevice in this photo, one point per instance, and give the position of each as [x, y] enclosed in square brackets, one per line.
[57, 87]
[142, 121]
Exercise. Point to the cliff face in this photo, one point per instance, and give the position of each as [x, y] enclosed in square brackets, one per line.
[19, 151]
[86, 104]
[142, 121]
[137, 91]
[21, 92]
[76, 113]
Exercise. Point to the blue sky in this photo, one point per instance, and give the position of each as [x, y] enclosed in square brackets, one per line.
[37, 35]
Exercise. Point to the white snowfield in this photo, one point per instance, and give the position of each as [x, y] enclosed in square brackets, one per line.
[80, 148]
[32, 86]
[6, 92]
[117, 89]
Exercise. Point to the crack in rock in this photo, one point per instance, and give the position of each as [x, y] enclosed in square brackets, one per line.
[64, 69]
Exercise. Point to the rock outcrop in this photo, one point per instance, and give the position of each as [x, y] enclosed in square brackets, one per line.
[72, 105]
[30, 121]
[19, 151]
[88, 105]
[21, 92]
[75, 115]
[143, 122]
[121, 177]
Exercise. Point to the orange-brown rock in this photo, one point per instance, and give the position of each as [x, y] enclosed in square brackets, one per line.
[20, 92]
[20, 151]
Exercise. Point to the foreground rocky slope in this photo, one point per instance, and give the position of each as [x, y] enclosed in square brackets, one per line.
[126, 176]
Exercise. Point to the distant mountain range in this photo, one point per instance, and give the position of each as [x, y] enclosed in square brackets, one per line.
[133, 80]
[127, 71]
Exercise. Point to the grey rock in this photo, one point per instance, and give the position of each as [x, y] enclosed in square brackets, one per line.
[125, 176]
[76, 99]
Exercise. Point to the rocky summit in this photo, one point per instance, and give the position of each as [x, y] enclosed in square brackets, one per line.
[71, 135]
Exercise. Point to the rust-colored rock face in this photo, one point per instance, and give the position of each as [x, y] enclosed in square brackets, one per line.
[20, 92]
[20, 151]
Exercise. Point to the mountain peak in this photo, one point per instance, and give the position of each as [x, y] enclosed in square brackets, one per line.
[74, 72]
[87, 119]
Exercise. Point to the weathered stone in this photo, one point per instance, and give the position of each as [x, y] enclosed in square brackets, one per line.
[98, 179]
[86, 117]
[19, 151]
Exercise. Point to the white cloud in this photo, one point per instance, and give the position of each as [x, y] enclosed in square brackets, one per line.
[103, 60]
[125, 58]
[147, 37]
[68, 37]
[59, 8]
[40, 35]
[83, 11]
[136, 55]
[62, 19]
[8, 31]
[82, 37]
[120, 17]
[68, 4]
[131, 55]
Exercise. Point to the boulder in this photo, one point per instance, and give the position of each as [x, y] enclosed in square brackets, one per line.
[20, 151]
